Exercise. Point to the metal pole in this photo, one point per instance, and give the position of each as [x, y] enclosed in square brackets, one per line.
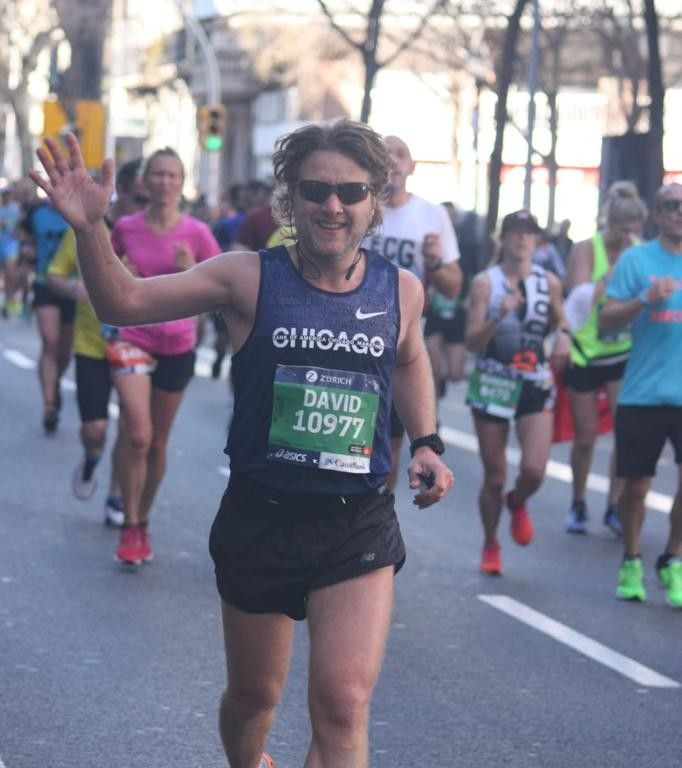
[533, 65]
[214, 92]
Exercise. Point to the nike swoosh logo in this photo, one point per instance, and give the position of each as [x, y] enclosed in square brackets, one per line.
[366, 315]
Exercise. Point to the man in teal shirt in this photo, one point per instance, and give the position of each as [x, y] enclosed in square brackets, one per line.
[646, 290]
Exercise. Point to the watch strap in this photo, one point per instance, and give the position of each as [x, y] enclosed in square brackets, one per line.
[431, 441]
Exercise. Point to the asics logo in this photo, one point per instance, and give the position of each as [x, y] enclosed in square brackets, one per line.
[360, 315]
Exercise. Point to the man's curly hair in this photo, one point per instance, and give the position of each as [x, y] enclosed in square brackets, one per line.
[356, 141]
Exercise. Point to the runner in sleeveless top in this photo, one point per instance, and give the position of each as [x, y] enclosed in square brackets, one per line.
[325, 335]
[598, 359]
[514, 306]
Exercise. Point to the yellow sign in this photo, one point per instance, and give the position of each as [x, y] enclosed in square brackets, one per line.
[89, 127]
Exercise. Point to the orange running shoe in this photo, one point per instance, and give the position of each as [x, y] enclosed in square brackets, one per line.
[266, 761]
[521, 524]
[490, 560]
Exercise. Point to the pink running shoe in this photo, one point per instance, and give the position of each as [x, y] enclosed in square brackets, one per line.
[145, 545]
[129, 546]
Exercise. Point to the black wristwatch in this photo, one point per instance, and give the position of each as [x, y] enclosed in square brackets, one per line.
[431, 441]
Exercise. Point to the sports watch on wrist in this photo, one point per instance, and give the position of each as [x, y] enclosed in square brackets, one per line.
[432, 441]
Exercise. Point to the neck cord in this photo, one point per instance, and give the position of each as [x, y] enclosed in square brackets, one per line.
[301, 258]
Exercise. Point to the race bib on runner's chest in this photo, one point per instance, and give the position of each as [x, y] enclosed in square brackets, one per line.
[323, 418]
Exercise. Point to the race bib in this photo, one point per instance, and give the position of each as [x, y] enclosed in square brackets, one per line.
[323, 418]
[496, 393]
[124, 358]
[441, 306]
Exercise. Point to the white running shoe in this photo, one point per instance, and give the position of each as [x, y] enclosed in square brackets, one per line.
[83, 489]
[113, 512]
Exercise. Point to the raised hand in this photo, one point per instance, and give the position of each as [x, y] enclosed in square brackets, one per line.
[80, 199]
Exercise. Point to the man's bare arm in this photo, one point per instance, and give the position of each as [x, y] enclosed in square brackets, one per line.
[414, 396]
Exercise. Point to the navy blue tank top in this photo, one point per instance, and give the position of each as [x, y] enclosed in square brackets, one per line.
[344, 337]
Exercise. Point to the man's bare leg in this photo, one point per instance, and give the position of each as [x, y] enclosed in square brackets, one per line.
[345, 665]
[258, 650]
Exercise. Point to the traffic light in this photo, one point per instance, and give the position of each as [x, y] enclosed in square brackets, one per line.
[211, 120]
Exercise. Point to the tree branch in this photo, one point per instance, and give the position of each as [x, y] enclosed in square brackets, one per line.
[338, 29]
[415, 34]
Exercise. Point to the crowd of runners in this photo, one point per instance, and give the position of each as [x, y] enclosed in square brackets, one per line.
[336, 354]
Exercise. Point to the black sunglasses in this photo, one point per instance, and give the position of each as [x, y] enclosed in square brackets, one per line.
[141, 199]
[671, 206]
[349, 193]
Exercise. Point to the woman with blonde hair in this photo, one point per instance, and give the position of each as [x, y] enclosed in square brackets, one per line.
[597, 359]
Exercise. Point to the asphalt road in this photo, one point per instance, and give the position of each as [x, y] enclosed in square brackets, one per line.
[104, 667]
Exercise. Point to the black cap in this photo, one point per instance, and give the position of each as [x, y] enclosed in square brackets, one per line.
[520, 220]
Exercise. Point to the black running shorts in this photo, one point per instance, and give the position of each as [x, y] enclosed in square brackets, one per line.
[591, 377]
[641, 433]
[452, 329]
[46, 297]
[271, 548]
[93, 387]
[173, 372]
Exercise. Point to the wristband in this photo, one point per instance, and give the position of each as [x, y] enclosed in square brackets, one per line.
[435, 267]
[642, 297]
[431, 441]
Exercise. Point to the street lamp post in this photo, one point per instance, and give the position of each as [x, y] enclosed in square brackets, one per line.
[214, 91]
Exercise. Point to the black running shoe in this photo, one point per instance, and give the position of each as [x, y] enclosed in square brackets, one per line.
[50, 421]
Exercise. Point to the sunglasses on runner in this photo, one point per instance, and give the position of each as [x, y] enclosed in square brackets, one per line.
[671, 206]
[349, 193]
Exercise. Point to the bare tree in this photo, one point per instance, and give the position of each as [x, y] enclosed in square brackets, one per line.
[504, 81]
[27, 35]
[368, 43]
[85, 24]
[654, 175]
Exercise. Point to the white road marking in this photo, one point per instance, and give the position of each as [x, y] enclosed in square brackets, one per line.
[555, 469]
[2, 765]
[20, 360]
[579, 642]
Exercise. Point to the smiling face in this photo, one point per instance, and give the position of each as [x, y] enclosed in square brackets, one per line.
[331, 232]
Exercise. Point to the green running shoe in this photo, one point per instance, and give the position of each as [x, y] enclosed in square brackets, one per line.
[670, 576]
[630, 580]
